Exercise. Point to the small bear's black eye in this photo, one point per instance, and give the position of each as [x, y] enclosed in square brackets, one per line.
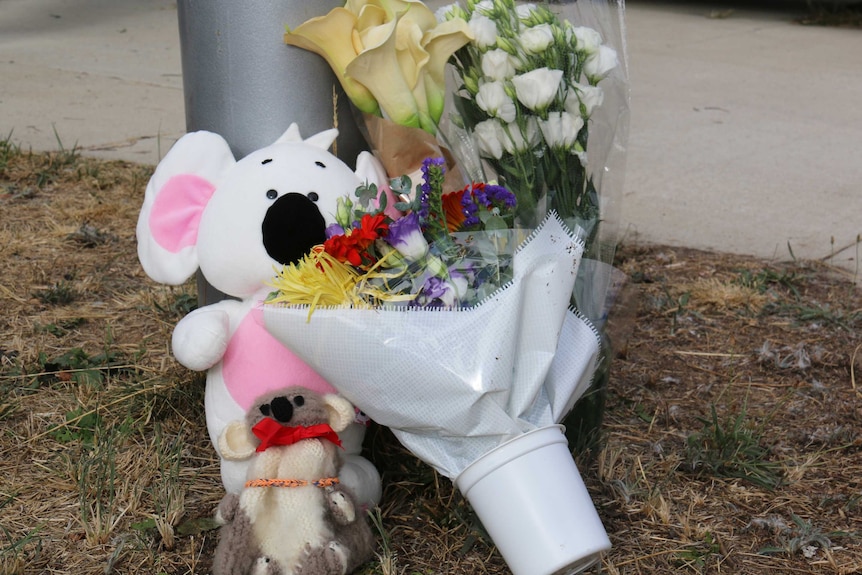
[319, 163]
[298, 401]
[266, 161]
[271, 194]
[264, 409]
[313, 196]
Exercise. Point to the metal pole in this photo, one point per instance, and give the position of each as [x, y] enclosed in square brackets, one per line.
[241, 81]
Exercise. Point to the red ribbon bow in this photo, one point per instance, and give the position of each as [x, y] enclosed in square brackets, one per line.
[270, 432]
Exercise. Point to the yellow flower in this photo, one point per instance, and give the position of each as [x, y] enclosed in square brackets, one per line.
[389, 56]
[318, 279]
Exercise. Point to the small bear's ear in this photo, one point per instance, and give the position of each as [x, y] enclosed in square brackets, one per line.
[340, 411]
[237, 442]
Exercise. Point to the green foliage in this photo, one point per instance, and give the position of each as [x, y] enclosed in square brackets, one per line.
[80, 425]
[95, 472]
[827, 315]
[803, 537]
[61, 293]
[80, 367]
[766, 279]
[16, 551]
[697, 555]
[167, 491]
[731, 448]
[57, 162]
[180, 306]
[8, 150]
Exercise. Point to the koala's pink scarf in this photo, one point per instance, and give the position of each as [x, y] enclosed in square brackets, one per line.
[270, 432]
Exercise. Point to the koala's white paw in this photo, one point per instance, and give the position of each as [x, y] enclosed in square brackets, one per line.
[263, 566]
[342, 507]
[338, 556]
[200, 339]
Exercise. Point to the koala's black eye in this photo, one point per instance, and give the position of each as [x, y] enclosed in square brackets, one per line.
[264, 409]
[271, 194]
[313, 196]
[298, 401]
[319, 163]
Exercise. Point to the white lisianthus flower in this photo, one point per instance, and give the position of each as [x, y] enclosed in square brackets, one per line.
[517, 140]
[583, 99]
[537, 88]
[489, 135]
[561, 129]
[537, 39]
[600, 64]
[498, 65]
[484, 30]
[588, 39]
[492, 98]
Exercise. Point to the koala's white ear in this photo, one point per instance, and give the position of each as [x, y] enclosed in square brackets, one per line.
[291, 135]
[176, 195]
[370, 171]
[324, 139]
[237, 442]
[341, 412]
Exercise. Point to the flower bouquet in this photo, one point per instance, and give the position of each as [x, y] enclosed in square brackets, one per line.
[465, 324]
[456, 333]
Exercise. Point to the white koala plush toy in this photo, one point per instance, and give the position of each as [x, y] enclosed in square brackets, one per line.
[239, 221]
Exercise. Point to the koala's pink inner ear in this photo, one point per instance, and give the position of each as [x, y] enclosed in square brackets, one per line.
[176, 214]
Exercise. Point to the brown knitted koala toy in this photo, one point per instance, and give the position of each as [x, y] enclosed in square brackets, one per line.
[292, 517]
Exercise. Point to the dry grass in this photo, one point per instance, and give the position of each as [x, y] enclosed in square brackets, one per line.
[105, 466]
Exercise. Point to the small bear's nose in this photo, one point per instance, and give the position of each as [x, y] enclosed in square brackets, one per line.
[281, 409]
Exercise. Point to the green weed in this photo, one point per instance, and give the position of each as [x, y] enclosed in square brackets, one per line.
[697, 555]
[61, 293]
[99, 485]
[16, 552]
[803, 537]
[182, 305]
[167, 490]
[731, 448]
[80, 425]
[765, 279]
[674, 306]
[80, 367]
[825, 314]
[385, 556]
[8, 150]
[57, 162]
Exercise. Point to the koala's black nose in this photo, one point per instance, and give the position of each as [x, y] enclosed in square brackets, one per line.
[292, 226]
[281, 409]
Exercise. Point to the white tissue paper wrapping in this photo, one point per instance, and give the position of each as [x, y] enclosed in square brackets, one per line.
[454, 384]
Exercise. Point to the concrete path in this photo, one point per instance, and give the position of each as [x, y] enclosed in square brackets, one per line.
[746, 127]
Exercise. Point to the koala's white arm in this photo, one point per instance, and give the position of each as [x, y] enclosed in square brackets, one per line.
[200, 339]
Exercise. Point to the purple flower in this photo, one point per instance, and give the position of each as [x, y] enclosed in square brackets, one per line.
[469, 208]
[437, 292]
[334, 230]
[432, 177]
[489, 195]
[405, 235]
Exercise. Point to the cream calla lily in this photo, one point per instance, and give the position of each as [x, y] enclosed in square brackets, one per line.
[368, 42]
[332, 37]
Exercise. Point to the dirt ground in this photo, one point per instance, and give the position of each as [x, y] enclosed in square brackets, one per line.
[730, 442]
